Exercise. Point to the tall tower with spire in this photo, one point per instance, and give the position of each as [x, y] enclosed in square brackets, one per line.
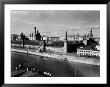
[91, 35]
[65, 43]
[35, 33]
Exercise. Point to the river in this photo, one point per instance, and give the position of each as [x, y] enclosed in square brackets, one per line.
[58, 68]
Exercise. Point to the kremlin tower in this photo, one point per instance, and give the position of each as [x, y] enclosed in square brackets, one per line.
[65, 43]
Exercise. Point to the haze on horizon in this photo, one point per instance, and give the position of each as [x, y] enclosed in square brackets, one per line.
[55, 22]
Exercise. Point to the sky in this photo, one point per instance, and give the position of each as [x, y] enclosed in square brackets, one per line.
[55, 22]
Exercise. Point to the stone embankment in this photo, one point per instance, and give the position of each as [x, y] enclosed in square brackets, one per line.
[60, 56]
[54, 49]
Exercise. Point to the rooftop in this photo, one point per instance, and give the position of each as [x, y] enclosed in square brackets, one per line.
[85, 48]
[88, 48]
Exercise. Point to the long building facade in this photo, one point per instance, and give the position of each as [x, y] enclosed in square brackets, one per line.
[88, 51]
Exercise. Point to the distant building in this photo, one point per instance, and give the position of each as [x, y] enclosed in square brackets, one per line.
[80, 38]
[98, 46]
[95, 53]
[91, 35]
[87, 51]
[74, 38]
[36, 35]
[45, 38]
[91, 47]
[15, 37]
[70, 38]
[62, 38]
[84, 51]
[90, 40]
[54, 38]
[97, 39]
[85, 42]
[30, 37]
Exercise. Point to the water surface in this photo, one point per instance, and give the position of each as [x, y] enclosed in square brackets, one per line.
[56, 67]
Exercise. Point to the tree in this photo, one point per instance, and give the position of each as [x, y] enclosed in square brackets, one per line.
[91, 42]
[44, 45]
[22, 38]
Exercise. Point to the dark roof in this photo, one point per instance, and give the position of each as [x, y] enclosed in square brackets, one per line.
[86, 48]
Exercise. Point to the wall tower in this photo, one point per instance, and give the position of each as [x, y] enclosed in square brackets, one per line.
[65, 43]
[34, 33]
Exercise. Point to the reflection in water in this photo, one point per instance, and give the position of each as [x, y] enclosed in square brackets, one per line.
[59, 68]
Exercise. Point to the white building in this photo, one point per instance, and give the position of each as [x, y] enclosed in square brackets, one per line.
[87, 51]
[85, 42]
[98, 46]
[45, 38]
[95, 53]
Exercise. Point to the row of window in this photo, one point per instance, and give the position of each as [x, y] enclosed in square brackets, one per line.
[88, 52]
[84, 51]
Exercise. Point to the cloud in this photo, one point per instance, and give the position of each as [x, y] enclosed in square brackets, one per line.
[54, 21]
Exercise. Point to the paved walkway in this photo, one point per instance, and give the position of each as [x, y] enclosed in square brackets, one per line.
[60, 56]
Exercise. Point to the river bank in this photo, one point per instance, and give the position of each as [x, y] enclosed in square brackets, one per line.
[59, 56]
